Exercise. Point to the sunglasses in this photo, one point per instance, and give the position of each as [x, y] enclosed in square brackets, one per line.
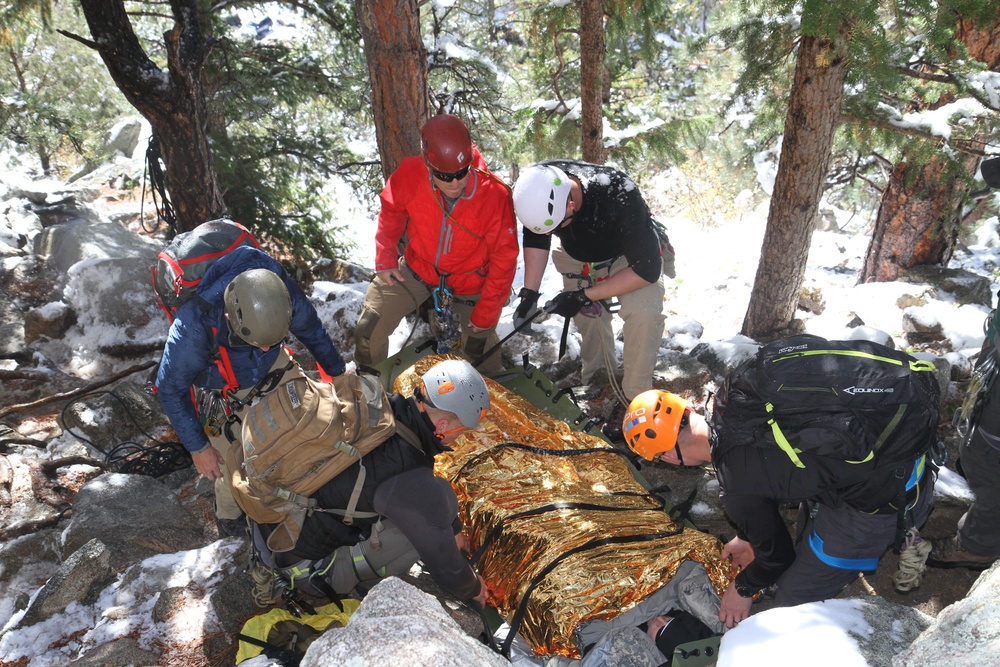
[448, 177]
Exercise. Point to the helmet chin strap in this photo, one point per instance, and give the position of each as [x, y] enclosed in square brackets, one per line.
[442, 436]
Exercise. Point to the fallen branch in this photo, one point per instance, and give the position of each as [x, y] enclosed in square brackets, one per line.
[50, 467]
[77, 392]
[27, 527]
[7, 442]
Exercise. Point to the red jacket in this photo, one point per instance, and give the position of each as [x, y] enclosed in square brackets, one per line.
[475, 246]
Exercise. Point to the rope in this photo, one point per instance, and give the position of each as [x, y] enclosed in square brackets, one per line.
[129, 457]
[912, 562]
[157, 187]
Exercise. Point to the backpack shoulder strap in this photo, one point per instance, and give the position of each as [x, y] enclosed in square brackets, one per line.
[409, 435]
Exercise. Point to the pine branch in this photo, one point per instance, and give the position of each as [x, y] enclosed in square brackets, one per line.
[925, 76]
[968, 146]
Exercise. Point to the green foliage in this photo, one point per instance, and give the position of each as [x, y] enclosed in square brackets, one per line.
[56, 98]
[286, 115]
[902, 59]
[650, 82]
[463, 72]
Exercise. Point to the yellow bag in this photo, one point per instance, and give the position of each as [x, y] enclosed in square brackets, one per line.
[288, 633]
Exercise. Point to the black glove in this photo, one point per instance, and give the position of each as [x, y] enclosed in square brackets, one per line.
[568, 304]
[527, 308]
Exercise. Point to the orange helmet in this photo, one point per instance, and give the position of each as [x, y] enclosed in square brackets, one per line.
[653, 422]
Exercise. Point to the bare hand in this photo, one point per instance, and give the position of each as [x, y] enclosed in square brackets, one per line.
[208, 462]
[484, 592]
[740, 551]
[463, 542]
[734, 607]
[391, 276]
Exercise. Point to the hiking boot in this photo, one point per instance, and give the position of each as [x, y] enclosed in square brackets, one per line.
[233, 527]
[612, 428]
[948, 552]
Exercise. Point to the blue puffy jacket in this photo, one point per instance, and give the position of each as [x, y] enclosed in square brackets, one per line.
[188, 354]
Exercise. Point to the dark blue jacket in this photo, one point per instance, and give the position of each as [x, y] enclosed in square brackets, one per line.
[188, 354]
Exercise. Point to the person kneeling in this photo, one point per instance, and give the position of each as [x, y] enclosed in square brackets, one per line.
[403, 513]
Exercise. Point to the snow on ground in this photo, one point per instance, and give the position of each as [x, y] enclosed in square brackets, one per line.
[716, 268]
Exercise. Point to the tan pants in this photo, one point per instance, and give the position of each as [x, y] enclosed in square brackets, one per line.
[225, 504]
[385, 307]
[642, 311]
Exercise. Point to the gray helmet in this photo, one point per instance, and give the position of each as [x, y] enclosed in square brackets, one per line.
[455, 386]
[259, 308]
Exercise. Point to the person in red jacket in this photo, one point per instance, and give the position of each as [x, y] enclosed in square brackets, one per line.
[456, 223]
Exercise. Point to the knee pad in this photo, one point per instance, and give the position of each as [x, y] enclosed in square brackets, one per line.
[362, 336]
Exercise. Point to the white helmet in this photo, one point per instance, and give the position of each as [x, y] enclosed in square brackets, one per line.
[455, 386]
[540, 196]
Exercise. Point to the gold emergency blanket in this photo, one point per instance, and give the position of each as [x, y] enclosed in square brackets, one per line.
[575, 533]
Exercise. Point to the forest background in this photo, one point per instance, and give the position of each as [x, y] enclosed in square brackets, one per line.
[883, 108]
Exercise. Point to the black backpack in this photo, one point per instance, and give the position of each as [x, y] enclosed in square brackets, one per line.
[852, 400]
[182, 264]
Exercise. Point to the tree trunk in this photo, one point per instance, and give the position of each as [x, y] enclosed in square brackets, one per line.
[813, 114]
[173, 102]
[397, 67]
[917, 220]
[592, 52]
[919, 216]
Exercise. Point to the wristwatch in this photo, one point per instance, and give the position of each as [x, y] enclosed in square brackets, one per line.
[744, 589]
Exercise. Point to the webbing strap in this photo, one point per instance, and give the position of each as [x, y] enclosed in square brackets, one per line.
[886, 432]
[360, 564]
[853, 564]
[352, 504]
[792, 453]
[296, 499]
[562, 339]
[914, 364]
[409, 435]
[523, 606]
[782, 441]
[347, 448]
[225, 369]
